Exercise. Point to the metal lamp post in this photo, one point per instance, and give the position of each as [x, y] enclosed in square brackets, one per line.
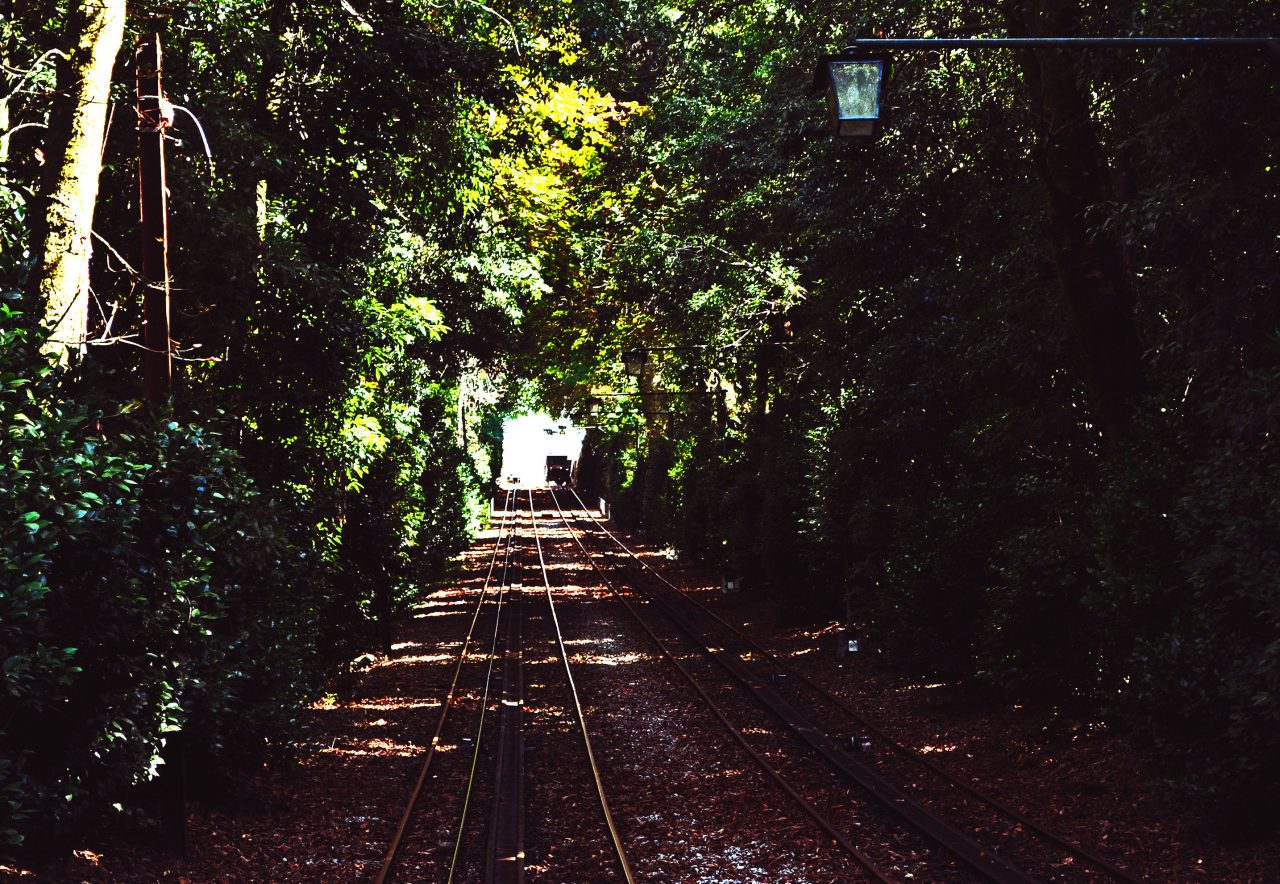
[854, 79]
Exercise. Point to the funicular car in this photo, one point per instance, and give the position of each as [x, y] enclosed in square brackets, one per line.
[559, 470]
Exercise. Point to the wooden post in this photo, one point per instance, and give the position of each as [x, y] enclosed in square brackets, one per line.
[154, 117]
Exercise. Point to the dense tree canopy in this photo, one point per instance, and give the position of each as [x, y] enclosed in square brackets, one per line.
[1000, 387]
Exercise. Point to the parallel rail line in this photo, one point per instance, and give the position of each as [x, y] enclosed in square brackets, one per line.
[393, 849]
[809, 809]
[505, 856]
[478, 740]
[505, 853]
[624, 864]
[981, 860]
[970, 789]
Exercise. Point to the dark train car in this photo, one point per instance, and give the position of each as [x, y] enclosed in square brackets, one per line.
[559, 470]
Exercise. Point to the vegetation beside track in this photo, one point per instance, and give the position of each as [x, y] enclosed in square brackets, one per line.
[862, 377]
[345, 268]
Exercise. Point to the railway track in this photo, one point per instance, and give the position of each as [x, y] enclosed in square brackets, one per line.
[732, 649]
[771, 709]
[924, 848]
[511, 863]
[619, 850]
[823, 822]
[502, 543]
[501, 685]
[493, 594]
[505, 850]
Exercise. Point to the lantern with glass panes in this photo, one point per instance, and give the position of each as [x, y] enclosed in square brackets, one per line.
[854, 83]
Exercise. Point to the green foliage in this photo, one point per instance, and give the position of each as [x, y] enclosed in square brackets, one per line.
[867, 383]
[342, 272]
[147, 585]
[910, 428]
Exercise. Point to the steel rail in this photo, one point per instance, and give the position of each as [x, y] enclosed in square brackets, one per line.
[816, 815]
[875, 730]
[505, 854]
[979, 858]
[614, 835]
[393, 849]
[483, 715]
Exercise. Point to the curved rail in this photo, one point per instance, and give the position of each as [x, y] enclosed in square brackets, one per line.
[623, 863]
[816, 815]
[393, 849]
[894, 745]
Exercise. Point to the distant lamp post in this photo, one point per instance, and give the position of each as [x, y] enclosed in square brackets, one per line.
[633, 361]
[854, 85]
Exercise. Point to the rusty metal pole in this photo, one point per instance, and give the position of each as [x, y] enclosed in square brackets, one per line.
[153, 200]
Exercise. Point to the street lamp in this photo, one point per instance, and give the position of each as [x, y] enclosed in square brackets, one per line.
[633, 361]
[854, 84]
[854, 79]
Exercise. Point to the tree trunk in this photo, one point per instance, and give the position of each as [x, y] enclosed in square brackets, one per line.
[74, 155]
[6, 39]
[1092, 276]
[4, 105]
